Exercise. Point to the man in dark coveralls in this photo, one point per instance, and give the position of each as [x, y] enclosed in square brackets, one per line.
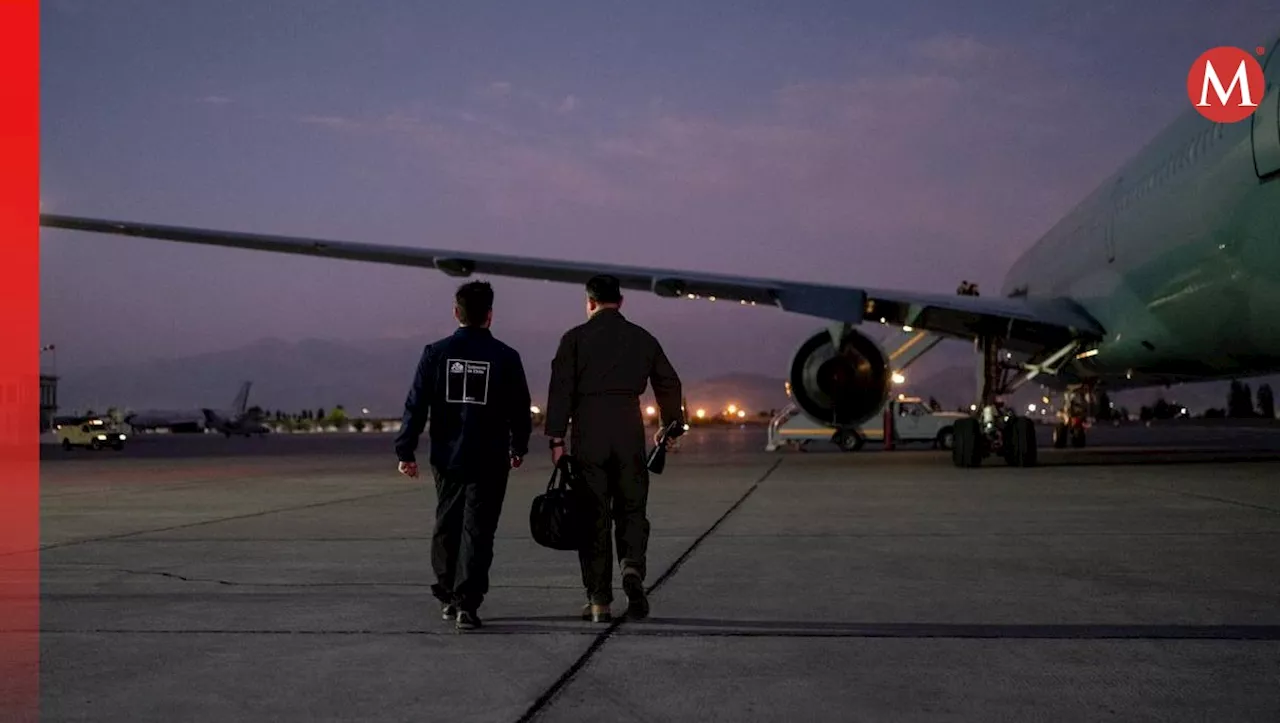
[474, 390]
[600, 370]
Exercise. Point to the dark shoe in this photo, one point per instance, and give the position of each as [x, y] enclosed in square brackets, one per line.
[637, 602]
[468, 620]
[449, 612]
[597, 613]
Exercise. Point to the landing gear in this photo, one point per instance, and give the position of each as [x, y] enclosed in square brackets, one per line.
[997, 430]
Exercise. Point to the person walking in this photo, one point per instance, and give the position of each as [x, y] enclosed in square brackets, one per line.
[601, 368]
[473, 389]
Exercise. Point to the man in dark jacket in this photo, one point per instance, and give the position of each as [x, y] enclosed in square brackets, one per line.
[600, 370]
[474, 390]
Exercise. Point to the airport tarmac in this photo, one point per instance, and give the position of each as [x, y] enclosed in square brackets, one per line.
[286, 578]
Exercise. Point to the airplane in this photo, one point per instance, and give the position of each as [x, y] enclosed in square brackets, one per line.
[237, 419]
[1168, 272]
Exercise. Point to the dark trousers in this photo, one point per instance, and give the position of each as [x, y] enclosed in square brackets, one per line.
[611, 452]
[468, 505]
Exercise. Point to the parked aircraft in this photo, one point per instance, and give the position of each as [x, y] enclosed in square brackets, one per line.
[239, 418]
[1168, 272]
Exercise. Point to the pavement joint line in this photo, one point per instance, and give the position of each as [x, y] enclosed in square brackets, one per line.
[234, 583]
[233, 518]
[544, 701]
[727, 629]
[1209, 498]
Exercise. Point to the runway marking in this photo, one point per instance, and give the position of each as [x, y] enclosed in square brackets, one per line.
[542, 702]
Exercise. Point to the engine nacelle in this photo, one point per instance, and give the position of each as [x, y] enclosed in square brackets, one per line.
[841, 385]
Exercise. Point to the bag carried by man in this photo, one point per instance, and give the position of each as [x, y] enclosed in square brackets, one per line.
[560, 518]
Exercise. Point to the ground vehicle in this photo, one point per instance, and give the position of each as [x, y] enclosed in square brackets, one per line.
[913, 421]
[94, 433]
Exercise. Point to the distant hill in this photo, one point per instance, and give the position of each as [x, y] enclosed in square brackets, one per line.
[374, 374]
[321, 373]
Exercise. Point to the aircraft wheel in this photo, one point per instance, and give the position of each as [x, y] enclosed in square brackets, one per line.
[1020, 442]
[966, 449]
[1078, 437]
[1060, 436]
[946, 438]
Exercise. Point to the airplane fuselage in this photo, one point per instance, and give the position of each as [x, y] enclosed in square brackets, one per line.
[1177, 254]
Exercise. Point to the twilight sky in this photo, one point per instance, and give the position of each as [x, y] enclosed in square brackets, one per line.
[906, 144]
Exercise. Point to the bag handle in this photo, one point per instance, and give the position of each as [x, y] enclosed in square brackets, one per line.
[561, 472]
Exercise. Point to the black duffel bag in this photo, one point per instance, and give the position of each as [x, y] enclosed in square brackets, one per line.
[560, 518]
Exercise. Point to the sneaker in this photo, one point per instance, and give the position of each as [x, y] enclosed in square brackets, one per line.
[448, 611]
[468, 620]
[637, 602]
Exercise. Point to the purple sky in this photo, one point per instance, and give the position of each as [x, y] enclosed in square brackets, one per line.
[909, 144]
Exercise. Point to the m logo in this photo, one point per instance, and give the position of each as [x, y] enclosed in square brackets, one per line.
[1226, 85]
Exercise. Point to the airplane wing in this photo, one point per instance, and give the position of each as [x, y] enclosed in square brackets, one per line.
[1029, 325]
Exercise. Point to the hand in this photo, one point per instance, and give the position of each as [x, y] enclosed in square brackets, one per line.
[409, 469]
[657, 437]
[556, 454]
[516, 461]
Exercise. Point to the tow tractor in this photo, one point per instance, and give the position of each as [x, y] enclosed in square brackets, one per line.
[912, 421]
[93, 433]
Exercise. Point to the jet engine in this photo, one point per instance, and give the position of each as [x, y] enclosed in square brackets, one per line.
[841, 383]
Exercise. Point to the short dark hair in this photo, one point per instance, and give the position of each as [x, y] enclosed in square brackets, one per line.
[604, 289]
[474, 301]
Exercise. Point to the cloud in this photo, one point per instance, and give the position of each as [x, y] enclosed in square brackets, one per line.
[495, 90]
[935, 148]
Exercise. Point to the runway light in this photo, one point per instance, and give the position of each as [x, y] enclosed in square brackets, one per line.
[650, 411]
[898, 378]
[535, 410]
[733, 409]
[742, 413]
[908, 329]
[700, 414]
[973, 407]
[1031, 407]
[364, 410]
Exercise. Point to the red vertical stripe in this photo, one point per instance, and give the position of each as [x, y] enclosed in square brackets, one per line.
[19, 359]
